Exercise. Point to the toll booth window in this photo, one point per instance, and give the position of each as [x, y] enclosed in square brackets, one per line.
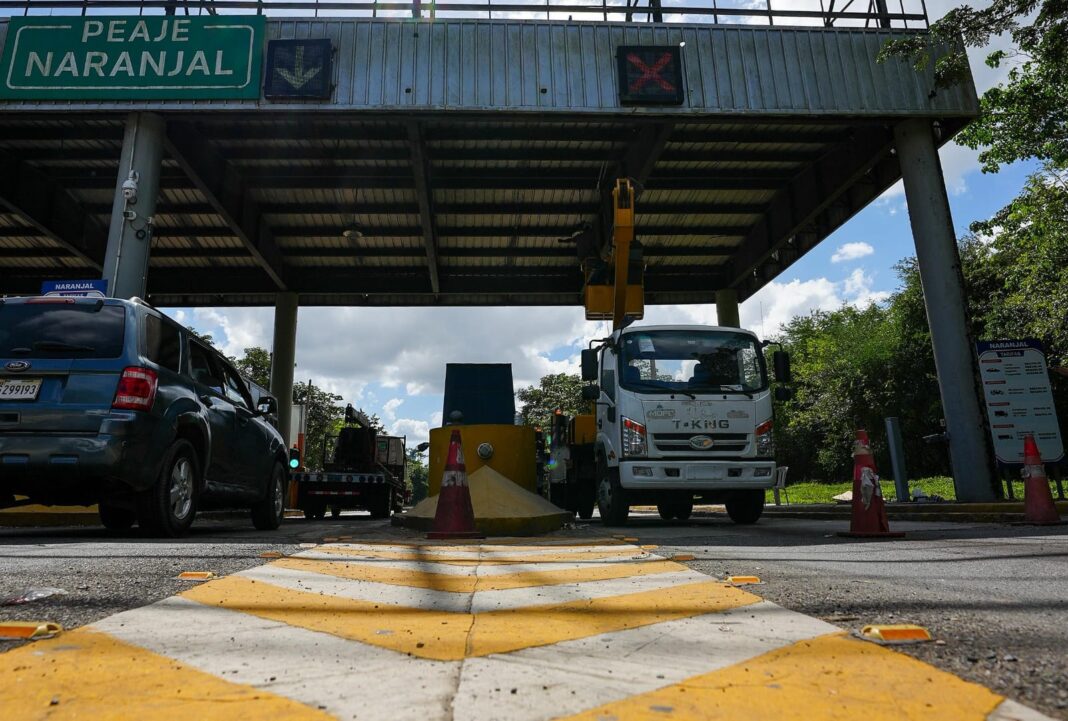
[162, 343]
[691, 361]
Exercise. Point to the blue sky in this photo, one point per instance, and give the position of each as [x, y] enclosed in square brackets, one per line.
[391, 361]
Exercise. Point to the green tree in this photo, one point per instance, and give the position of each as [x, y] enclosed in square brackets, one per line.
[256, 364]
[556, 390]
[1026, 117]
[323, 413]
[418, 475]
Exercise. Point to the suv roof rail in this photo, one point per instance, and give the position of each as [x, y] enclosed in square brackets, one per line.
[141, 301]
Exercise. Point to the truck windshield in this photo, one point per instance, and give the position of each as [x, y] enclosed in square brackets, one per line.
[685, 361]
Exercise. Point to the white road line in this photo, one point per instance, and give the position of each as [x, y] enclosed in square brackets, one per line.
[350, 679]
[1009, 710]
[572, 676]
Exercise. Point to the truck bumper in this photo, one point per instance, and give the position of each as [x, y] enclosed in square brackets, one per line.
[696, 475]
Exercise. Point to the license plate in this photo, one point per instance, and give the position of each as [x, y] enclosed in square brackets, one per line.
[704, 473]
[19, 389]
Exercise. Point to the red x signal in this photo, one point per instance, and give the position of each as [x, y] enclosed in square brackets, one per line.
[650, 74]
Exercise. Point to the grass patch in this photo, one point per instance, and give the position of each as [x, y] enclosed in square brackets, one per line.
[814, 492]
[825, 492]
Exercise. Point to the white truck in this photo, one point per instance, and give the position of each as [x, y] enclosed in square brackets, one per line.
[682, 413]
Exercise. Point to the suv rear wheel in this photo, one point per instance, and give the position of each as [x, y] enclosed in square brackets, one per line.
[745, 507]
[116, 518]
[267, 514]
[170, 505]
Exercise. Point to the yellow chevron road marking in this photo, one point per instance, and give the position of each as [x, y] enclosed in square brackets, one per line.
[831, 678]
[415, 578]
[90, 675]
[452, 636]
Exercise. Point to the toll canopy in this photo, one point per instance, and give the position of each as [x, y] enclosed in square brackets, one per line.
[446, 158]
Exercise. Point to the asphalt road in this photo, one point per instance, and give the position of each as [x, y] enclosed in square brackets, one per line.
[995, 597]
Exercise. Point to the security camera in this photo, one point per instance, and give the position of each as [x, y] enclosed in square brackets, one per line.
[129, 187]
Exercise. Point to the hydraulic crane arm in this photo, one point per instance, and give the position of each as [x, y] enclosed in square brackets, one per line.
[622, 236]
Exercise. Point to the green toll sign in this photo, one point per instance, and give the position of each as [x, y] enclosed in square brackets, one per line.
[132, 58]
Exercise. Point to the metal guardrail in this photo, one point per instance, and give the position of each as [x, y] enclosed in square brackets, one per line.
[818, 13]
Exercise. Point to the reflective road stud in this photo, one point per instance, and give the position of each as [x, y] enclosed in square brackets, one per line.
[895, 633]
[29, 630]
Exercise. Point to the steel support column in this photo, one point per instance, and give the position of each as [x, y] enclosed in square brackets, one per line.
[283, 358]
[943, 293]
[130, 236]
[727, 308]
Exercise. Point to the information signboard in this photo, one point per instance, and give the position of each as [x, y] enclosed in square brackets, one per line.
[132, 58]
[97, 288]
[1019, 399]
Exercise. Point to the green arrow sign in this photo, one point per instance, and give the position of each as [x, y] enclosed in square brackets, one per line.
[132, 58]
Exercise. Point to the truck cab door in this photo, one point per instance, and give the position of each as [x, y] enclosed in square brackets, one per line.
[607, 412]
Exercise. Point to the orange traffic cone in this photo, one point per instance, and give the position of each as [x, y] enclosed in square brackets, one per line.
[869, 512]
[1038, 501]
[454, 517]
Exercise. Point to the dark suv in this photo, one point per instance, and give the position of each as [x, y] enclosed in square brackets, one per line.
[110, 402]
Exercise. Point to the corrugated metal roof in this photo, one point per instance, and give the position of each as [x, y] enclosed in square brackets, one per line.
[543, 67]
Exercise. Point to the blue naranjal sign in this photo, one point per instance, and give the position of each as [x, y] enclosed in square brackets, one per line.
[132, 58]
[84, 288]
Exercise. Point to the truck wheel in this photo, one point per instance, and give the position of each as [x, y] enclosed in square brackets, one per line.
[683, 509]
[267, 513]
[745, 507]
[169, 506]
[611, 496]
[666, 510]
[315, 513]
[116, 518]
[382, 507]
[335, 511]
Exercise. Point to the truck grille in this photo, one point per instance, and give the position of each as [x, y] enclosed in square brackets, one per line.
[721, 442]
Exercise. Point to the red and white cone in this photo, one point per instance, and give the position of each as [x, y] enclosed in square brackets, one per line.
[869, 511]
[454, 517]
[1038, 500]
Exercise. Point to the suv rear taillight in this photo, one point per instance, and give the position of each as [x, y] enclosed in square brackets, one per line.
[137, 389]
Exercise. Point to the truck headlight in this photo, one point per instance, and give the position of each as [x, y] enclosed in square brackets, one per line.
[634, 443]
[765, 440]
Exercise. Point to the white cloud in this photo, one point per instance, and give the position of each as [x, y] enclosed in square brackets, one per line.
[389, 409]
[851, 251]
[417, 431]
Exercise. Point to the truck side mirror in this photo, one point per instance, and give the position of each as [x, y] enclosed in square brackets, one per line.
[590, 393]
[589, 364]
[781, 360]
